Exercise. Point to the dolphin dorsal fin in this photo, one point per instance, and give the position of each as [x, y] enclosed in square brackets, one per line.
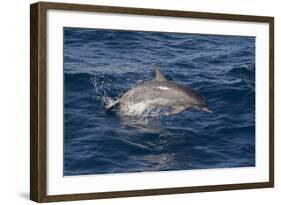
[158, 75]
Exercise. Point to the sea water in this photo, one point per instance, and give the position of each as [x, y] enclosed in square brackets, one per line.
[101, 65]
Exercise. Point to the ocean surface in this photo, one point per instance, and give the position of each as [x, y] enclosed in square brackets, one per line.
[101, 65]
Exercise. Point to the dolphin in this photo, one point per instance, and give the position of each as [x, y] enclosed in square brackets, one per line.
[162, 93]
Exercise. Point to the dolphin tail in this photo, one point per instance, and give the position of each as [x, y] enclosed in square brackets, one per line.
[113, 105]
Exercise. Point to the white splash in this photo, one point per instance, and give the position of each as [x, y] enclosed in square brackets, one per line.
[134, 109]
[142, 109]
[129, 109]
[108, 102]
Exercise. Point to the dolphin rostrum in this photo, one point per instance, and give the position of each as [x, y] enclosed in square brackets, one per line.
[162, 93]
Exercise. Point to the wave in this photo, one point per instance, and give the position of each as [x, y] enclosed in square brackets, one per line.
[244, 70]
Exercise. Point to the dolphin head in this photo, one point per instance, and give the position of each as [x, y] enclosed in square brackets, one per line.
[206, 109]
[194, 100]
[201, 104]
[179, 96]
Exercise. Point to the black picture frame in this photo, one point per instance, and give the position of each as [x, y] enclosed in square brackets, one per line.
[38, 102]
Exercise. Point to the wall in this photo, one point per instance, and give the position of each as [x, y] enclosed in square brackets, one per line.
[14, 109]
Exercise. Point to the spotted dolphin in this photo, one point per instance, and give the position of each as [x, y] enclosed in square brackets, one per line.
[162, 93]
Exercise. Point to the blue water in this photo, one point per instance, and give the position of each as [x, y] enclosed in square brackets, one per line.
[104, 64]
